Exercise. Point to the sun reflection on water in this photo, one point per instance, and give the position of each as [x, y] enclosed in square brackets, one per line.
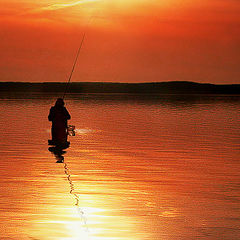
[121, 181]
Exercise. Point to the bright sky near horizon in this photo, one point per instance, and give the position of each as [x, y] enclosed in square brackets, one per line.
[126, 40]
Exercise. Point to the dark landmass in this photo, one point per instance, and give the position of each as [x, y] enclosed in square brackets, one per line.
[176, 87]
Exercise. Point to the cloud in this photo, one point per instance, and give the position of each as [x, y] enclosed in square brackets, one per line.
[54, 7]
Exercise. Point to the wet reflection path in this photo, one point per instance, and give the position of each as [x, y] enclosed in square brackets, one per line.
[76, 197]
[58, 153]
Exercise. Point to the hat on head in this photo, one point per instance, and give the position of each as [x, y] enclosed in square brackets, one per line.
[59, 102]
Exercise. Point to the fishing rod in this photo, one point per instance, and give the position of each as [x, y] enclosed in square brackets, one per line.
[70, 76]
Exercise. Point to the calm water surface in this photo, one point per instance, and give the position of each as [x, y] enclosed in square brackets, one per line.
[139, 168]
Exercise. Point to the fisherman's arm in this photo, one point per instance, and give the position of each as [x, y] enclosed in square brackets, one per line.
[67, 114]
[50, 116]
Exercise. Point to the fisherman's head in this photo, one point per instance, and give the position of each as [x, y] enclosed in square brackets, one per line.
[59, 102]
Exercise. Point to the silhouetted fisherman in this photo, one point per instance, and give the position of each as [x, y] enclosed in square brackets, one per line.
[59, 116]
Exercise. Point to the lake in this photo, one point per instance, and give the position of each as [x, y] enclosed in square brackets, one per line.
[139, 168]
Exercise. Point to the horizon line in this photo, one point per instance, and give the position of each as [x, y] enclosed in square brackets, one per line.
[170, 81]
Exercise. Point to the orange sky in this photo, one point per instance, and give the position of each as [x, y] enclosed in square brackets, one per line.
[126, 41]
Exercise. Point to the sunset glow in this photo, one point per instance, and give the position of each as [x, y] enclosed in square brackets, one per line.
[127, 41]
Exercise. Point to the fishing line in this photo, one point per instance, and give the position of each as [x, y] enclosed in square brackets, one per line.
[78, 52]
[70, 76]
[77, 55]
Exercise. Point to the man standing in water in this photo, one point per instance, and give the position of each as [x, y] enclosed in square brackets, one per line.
[59, 116]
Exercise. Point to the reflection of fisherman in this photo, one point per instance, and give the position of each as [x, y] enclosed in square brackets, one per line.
[58, 153]
[59, 116]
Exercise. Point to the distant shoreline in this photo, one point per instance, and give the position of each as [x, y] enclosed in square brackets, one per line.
[174, 87]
